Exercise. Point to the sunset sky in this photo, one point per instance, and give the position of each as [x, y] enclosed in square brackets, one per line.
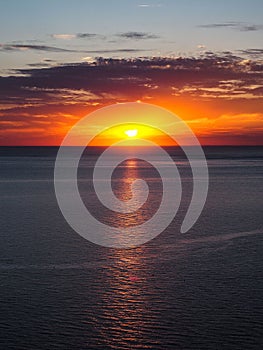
[201, 59]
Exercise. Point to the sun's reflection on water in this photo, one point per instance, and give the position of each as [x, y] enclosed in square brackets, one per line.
[127, 311]
[127, 301]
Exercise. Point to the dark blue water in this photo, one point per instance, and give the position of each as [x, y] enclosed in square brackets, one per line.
[200, 290]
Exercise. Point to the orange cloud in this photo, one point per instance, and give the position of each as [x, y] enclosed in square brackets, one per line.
[221, 98]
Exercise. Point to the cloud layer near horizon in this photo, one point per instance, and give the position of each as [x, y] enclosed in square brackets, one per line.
[220, 96]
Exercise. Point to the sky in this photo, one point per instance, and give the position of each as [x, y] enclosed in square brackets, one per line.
[61, 59]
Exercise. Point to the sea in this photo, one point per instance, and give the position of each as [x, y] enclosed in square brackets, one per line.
[202, 289]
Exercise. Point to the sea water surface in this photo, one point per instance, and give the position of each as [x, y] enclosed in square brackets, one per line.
[199, 290]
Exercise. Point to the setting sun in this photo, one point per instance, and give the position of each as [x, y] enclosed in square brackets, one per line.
[131, 133]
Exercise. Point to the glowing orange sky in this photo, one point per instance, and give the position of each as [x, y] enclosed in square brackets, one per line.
[223, 106]
[210, 126]
[119, 133]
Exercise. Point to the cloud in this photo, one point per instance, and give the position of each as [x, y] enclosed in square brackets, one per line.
[198, 89]
[116, 50]
[201, 46]
[138, 35]
[75, 36]
[220, 25]
[251, 27]
[18, 47]
[63, 36]
[39, 64]
[252, 52]
[86, 35]
[150, 5]
[241, 26]
[209, 78]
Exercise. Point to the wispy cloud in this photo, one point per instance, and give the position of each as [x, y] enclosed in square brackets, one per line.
[241, 26]
[201, 46]
[220, 25]
[252, 52]
[63, 36]
[21, 47]
[138, 35]
[75, 36]
[251, 27]
[150, 5]
[16, 47]
[87, 35]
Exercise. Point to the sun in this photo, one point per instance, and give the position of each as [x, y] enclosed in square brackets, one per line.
[131, 132]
